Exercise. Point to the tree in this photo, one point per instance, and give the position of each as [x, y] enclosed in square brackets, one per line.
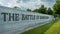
[36, 10]
[50, 11]
[56, 7]
[16, 7]
[28, 9]
[42, 9]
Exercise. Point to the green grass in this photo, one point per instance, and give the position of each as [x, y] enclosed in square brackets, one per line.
[55, 29]
[40, 29]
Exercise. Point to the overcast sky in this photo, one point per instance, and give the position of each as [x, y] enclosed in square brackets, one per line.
[32, 4]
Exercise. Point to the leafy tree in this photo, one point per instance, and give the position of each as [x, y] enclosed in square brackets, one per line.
[56, 7]
[16, 7]
[50, 11]
[35, 10]
[28, 9]
[42, 9]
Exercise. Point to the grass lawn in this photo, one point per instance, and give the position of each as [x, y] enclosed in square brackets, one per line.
[40, 30]
[55, 29]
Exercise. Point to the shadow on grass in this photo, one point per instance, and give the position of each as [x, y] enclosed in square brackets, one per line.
[40, 29]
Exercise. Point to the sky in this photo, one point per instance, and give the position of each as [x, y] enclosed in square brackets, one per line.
[31, 4]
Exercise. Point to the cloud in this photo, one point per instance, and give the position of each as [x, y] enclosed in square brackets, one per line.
[29, 4]
[32, 4]
[25, 1]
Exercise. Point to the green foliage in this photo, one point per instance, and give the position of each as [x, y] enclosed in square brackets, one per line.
[56, 7]
[28, 9]
[15, 7]
[42, 9]
[49, 11]
[36, 10]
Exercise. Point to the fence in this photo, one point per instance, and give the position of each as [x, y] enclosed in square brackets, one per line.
[14, 20]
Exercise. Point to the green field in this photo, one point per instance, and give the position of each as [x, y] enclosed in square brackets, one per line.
[55, 29]
[50, 28]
